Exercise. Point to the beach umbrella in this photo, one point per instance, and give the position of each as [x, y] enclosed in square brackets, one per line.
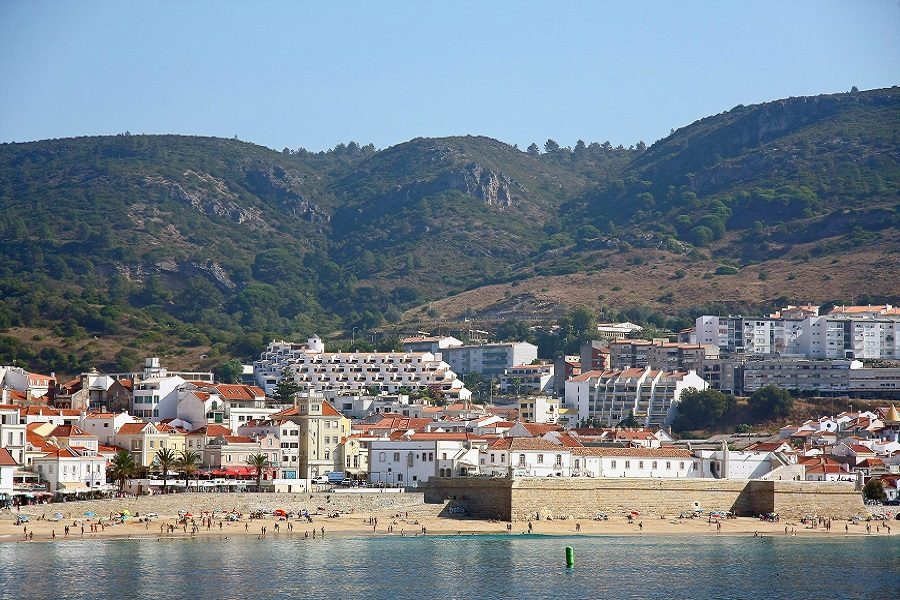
[90, 514]
[126, 512]
[58, 516]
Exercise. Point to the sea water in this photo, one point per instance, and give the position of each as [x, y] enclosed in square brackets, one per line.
[448, 567]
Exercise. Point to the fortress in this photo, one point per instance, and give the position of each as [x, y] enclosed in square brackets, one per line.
[526, 498]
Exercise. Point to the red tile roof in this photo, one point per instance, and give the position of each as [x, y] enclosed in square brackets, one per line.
[6, 459]
[524, 444]
[639, 452]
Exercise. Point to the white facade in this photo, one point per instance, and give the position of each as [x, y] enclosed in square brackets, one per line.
[156, 398]
[410, 462]
[105, 425]
[354, 372]
[731, 464]
[819, 337]
[539, 409]
[526, 457]
[68, 472]
[611, 396]
[527, 379]
[12, 433]
[490, 360]
[632, 462]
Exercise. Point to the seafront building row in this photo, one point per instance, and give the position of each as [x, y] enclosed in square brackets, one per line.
[398, 418]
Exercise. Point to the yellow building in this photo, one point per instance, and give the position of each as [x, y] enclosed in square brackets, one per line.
[322, 428]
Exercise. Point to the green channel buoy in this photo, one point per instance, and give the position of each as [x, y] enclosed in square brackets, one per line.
[570, 557]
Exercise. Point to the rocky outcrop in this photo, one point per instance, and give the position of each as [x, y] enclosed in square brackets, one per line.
[494, 188]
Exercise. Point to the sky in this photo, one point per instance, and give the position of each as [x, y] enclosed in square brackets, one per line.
[315, 74]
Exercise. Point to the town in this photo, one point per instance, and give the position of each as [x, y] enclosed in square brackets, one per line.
[302, 418]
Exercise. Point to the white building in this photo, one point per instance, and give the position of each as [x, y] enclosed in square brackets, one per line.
[105, 425]
[12, 432]
[17, 378]
[617, 331]
[526, 457]
[527, 379]
[354, 372]
[156, 398]
[68, 471]
[8, 466]
[410, 461]
[539, 409]
[640, 462]
[433, 344]
[753, 463]
[490, 360]
[840, 335]
[611, 396]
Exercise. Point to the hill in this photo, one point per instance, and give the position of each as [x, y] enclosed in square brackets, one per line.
[121, 246]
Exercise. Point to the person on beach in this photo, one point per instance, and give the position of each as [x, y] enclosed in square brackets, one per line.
[530, 527]
[323, 532]
[641, 526]
[577, 527]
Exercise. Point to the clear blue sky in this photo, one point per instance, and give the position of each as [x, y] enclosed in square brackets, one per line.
[316, 74]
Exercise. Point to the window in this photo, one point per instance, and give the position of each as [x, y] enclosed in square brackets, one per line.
[559, 460]
[502, 458]
[681, 465]
[540, 458]
[443, 456]
[521, 460]
[327, 455]
[431, 456]
[654, 465]
[613, 464]
[493, 459]
[396, 456]
[627, 464]
[668, 466]
[640, 464]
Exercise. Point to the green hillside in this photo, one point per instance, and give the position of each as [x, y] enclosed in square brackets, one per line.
[116, 247]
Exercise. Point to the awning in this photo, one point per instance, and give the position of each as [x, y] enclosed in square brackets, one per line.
[72, 487]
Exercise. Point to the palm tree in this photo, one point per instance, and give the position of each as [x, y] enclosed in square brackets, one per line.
[188, 463]
[259, 462]
[122, 467]
[165, 460]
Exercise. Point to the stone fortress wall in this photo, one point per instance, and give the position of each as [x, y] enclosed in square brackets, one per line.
[528, 497]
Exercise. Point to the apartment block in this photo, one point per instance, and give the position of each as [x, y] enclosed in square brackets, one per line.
[490, 360]
[527, 379]
[650, 395]
[352, 373]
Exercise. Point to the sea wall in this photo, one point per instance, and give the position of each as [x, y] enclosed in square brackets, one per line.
[479, 497]
[245, 502]
[527, 498]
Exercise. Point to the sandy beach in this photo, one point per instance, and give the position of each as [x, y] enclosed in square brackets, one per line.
[393, 515]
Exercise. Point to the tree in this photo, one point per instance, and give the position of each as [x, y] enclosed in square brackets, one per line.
[629, 421]
[126, 360]
[700, 409]
[230, 371]
[165, 460]
[285, 390]
[550, 146]
[874, 490]
[122, 468]
[533, 150]
[259, 462]
[771, 401]
[188, 462]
